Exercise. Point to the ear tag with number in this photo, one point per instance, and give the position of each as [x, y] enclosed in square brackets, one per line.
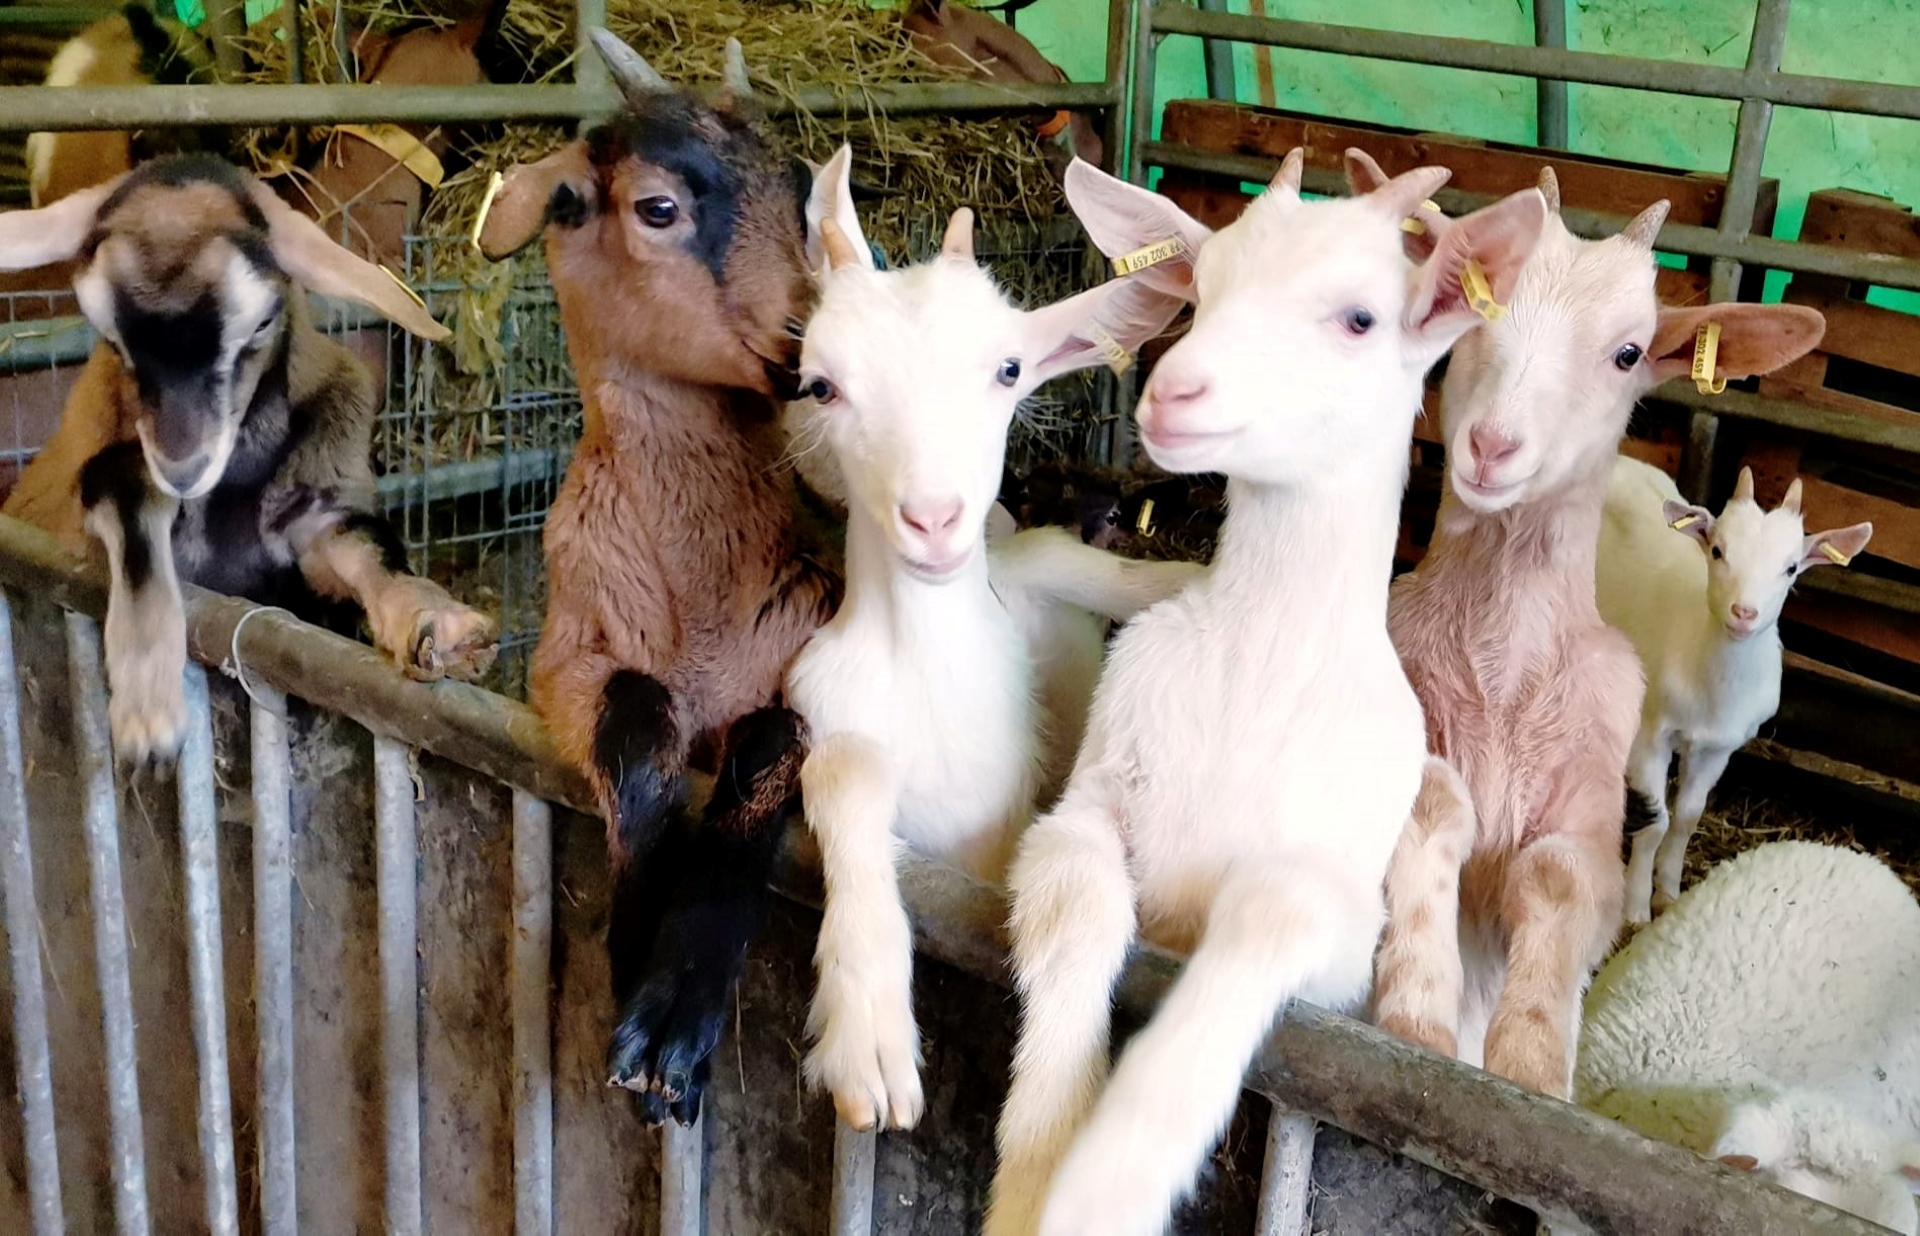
[1117, 357]
[1479, 293]
[1706, 356]
[1150, 255]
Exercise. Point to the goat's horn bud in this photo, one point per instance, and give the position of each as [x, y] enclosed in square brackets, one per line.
[958, 242]
[630, 70]
[1291, 168]
[840, 252]
[734, 75]
[1792, 501]
[1743, 487]
[1550, 189]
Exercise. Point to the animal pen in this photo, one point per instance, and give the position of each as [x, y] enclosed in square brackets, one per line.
[376, 1001]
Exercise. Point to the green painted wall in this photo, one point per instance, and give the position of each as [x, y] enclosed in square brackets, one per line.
[1871, 40]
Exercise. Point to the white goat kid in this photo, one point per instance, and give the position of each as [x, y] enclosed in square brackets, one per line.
[951, 688]
[1704, 618]
[1254, 746]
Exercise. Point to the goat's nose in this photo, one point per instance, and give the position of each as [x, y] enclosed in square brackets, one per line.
[931, 517]
[181, 474]
[1745, 613]
[1173, 390]
[1490, 445]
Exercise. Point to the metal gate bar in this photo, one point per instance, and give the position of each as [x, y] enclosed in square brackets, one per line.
[532, 961]
[273, 959]
[199, 846]
[1286, 1175]
[34, 1065]
[397, 878]
[682, 1170]
[850, 1204]
[102, 822]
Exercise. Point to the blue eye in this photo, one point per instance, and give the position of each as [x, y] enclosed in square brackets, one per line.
[1009, 372]
[820, 391]
[1358, 320]
[1627, 357]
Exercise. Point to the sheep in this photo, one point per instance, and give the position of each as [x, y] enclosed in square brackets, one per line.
[948, 694]
[215, 437]
[683, 573]
[1506, 889]
[1771, 1019]
[1253, 747]
[1704, 622]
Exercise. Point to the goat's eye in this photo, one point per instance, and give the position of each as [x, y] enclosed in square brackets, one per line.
[657, 211]
[1357, 320]
[1793, 569]
[820, 391]
[1627, 357]
[1717, 555]
[1009, 372]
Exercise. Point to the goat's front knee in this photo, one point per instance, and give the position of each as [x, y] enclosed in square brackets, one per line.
[1418, 980]
[145, 635]
[1555, 917]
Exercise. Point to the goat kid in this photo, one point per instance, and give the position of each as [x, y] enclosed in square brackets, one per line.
[950, 691]
[682, 571]
[1506, 889]
[215, 437]
[1254, 746]
[1704, 619]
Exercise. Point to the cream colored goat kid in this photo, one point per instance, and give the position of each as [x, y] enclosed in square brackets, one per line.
[1254, 746]
[950, 690]
[1700, 598]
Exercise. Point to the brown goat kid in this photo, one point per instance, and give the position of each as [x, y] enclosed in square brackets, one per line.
[680, 580]
[215, 436]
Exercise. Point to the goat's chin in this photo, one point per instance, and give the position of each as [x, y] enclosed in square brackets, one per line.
[937, 571]
[1492, 499]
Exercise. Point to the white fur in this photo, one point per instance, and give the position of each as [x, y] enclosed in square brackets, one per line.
[1774, 1012]
[953, 683]
[69, 67]
[1702, 608]
[1254, 745]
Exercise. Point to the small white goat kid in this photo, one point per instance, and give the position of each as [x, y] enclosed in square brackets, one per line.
[1771, 1019]
[951, 688]
[1702, 607]
[1254, 747]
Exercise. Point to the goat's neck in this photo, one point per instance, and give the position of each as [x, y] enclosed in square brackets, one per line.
[654, 415]
[1728, 667]
[1315, 553]
[880, 589]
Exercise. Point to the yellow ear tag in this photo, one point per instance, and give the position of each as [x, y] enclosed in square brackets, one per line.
[1413, 224]
[1479, 293]
[1833, 555]
[1144, 524]
[1151, 255]
[486, 207]
[402, 285]
[402, 147]
[1706, 354]
[1117, 357]
[1684, 522]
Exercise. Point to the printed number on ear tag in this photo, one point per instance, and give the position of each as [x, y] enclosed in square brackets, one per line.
[1151, 255]
[486, 207]
[1706, 357]
[1117, 357]
[1479, 293]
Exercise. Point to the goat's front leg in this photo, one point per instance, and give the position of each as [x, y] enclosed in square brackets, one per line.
[1054, 564]
[414, 621]
[1647, 777]
[1700, 769]
[146, 629]
[1417, 972]
[866, 1048]
[1275, 931]
[1072, 922]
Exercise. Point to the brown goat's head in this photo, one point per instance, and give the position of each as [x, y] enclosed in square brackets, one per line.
[674, 233]
[190, 269]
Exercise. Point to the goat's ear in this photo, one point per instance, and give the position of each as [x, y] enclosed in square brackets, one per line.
[316, 263]
[1087, 329]
[559, 188]
[1498, 239]
[1753, 338]
[831, 198]
[1123, 218]
[467, 34]
[1695, 521]
[1739, 1162]
[1420, 231]
[30, 238]
[1835, 547]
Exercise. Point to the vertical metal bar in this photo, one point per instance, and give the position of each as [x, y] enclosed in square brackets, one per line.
[273, 958]
[1120, 14]
[1140, 126]
[101, 819]
[227, 30]
[33, 1060]
[1286, 1179]
[1736, 216]
[199, 845]
[291, 12]
[854, 1154]
[532, 1048]
[588, 69]
[396, 877]
[1219, 58]
[682, 1166]
[1550, 106]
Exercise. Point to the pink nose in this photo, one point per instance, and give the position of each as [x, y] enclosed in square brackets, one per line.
[931, 518]
[1489, 445]
[1745, 613]
[1177, 390]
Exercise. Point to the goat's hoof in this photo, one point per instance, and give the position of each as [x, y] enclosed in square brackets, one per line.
[874, 1079]
[663, 1062]
[148, 723]
[1661, 900]
[451, 642]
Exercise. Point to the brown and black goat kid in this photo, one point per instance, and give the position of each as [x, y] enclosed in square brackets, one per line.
[681, 564]
[215, 437]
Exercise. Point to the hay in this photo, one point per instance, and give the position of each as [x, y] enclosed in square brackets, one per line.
[1741, 817]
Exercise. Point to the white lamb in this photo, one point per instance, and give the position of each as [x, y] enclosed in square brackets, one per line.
[949, 692]
[1702, 606]
[1254, 746]
[1771, 1019]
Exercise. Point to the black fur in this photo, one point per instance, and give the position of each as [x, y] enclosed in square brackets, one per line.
[119, 475]
[667, 134]
[1641, 813]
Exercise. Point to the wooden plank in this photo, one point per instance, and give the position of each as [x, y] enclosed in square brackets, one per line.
[1815, 395]
[1607, 186]
[1847, 219]
[1862, 332]
[1884, 631]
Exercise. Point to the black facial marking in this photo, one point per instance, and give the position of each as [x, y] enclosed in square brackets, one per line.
[118, 475]
[567, 208]
[667, 134]
[174, 357]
